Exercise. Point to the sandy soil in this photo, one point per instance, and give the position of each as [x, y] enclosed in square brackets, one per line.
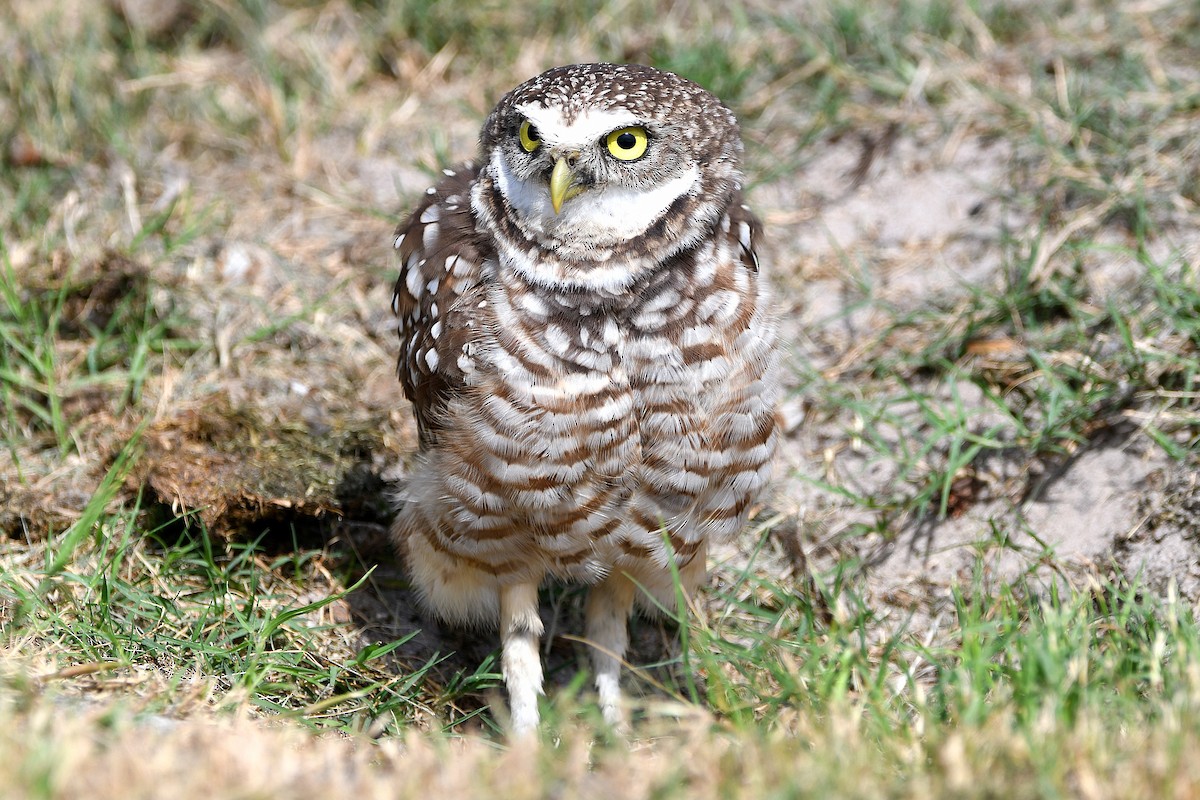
[922, 226]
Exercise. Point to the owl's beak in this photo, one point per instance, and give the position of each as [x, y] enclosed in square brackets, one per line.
[562, 184]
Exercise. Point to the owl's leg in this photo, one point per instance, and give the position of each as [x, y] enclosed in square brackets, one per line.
[608, 606]
[520, 661]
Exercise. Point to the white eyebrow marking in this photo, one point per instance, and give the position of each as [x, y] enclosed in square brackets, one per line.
[587, 127]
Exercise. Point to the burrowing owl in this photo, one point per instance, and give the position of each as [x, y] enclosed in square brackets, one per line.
[588, 345]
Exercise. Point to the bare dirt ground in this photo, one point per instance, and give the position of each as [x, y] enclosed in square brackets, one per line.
[923, 224]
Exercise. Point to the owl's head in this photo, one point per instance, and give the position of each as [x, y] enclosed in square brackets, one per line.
[591, 162]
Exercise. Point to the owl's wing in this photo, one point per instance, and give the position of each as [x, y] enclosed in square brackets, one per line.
[440, 260]
[746, 229]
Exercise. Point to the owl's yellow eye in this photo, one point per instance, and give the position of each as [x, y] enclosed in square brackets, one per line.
[627, 143]
[530, 138]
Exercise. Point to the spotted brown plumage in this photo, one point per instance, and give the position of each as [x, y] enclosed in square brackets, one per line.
[588, 345]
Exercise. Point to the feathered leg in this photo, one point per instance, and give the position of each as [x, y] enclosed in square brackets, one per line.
[521, 663]
[608, 606]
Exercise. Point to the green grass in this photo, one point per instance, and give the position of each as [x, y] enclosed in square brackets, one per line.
[1042, 664]
[141, 165]
[1025, 651]
[232, 624]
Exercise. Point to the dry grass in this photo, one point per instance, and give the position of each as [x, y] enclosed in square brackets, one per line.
[70, 748]
[984, 219]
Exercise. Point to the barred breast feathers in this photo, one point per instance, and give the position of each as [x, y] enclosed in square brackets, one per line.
[585, 421]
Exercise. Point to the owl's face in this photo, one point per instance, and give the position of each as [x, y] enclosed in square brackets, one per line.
[592, 159]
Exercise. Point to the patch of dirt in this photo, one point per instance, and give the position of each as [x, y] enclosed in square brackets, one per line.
[31, 510]
[898, 216]
[1077, 522]
[42, 492]
[234, 468]
[916, 225]
[1165, 544]
[94, 295]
